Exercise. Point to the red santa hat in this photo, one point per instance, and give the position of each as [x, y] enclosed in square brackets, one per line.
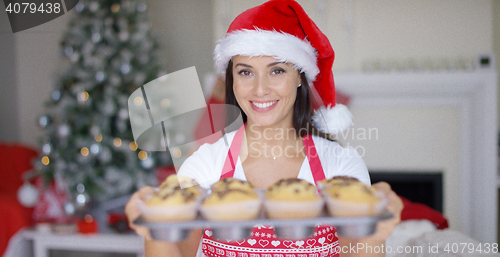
[282, 29]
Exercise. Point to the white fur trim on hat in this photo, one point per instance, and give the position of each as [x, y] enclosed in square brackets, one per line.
[282, 46]
[332, 120]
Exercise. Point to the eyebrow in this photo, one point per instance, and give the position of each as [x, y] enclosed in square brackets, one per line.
[250, 66]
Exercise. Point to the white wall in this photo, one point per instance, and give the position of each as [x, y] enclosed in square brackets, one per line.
[27, 77]
[184, 30]
[416, 139]
[496, 42]
[30, 59]
[38, 58]
[9, 123]
[365, 30]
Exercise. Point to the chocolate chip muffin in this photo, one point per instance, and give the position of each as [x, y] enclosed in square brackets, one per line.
[231, 199]
[336, 180]
[292, 189]
[291, 199]
[172, 202]
[232, 183]
[174, 181]
[352, 198]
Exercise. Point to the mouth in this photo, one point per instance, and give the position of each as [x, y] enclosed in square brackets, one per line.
[264, 105]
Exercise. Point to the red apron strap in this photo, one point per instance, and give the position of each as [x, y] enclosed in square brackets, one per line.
[232, 155]
[234, 150]
[312, 156]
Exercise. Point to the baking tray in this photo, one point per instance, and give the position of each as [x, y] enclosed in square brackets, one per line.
[354, 227]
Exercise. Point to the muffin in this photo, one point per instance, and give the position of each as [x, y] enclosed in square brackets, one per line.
[292, 199]
[231, 199]
[172, 202]
[352, 198]
[336, 180]
[174, 181]
[232, 183]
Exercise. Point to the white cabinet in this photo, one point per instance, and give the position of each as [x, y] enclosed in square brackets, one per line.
[110, 243]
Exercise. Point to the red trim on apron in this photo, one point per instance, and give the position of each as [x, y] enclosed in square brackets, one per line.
[232, 155]
[312, 157]
[263, 241]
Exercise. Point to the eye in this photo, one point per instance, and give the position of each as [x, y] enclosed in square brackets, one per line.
[278, 71]
[244, 72]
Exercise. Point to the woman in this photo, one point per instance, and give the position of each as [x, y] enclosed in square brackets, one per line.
[271, 54]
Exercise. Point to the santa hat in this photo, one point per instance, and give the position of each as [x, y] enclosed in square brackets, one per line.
[282, 29]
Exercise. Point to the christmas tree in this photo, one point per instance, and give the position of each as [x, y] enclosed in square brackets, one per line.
[88, 148]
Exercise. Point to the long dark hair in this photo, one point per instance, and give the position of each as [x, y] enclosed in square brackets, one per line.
[302, 108]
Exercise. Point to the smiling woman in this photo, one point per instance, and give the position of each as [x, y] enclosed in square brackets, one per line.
[265, 89]
[268, 77]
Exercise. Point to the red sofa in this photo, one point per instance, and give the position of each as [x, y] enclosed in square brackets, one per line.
[15, 160]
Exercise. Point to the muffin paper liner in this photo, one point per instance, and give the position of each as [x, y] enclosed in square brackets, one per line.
[243, 210]
[338, 208]
[293, 210]
[169, 213]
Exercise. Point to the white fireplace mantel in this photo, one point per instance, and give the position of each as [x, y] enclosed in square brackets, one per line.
[475, 94]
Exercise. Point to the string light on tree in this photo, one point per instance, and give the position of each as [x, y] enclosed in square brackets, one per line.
[45, 160]
[46, 149]
[43, 121]
[117, 142]
[133, 146]
[165, 103]
[63, 131]
[84, 151]
[176, 152]
[98, 137]
[94, 149]
[115, 7]
[142, 155]
[138, 101]
[147, 163]
[56, 95]
[83, 96]
[82, 199]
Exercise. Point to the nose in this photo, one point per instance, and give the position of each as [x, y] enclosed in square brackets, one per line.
[262, 86]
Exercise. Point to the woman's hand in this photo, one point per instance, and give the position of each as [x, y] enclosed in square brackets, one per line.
[133, 212]
[184, 248]
[394, 206]
[384, 228]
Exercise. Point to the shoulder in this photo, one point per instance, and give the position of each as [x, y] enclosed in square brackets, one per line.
[338, 160]
[328, 148]
[221, 146]
[205, 164]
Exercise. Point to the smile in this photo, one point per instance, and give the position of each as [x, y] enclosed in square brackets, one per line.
[263, 105]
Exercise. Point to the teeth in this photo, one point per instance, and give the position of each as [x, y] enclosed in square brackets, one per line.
[263, 105]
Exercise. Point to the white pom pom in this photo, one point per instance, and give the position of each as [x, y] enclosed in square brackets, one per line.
[332, 120]
[27, 195]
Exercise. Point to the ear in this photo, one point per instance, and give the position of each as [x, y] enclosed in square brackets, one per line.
[300, 81]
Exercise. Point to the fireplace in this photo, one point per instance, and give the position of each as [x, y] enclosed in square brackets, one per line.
[474, 95]
[419, 187]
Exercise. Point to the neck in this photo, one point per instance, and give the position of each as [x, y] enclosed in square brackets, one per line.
[272, 140]
[271, 134]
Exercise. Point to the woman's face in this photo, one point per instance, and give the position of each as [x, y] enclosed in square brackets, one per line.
[265, 89]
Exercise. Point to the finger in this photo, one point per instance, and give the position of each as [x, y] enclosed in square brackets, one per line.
[132, 208]
[394, 205]
[142, 231]
[145, 192]
[383, 187]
